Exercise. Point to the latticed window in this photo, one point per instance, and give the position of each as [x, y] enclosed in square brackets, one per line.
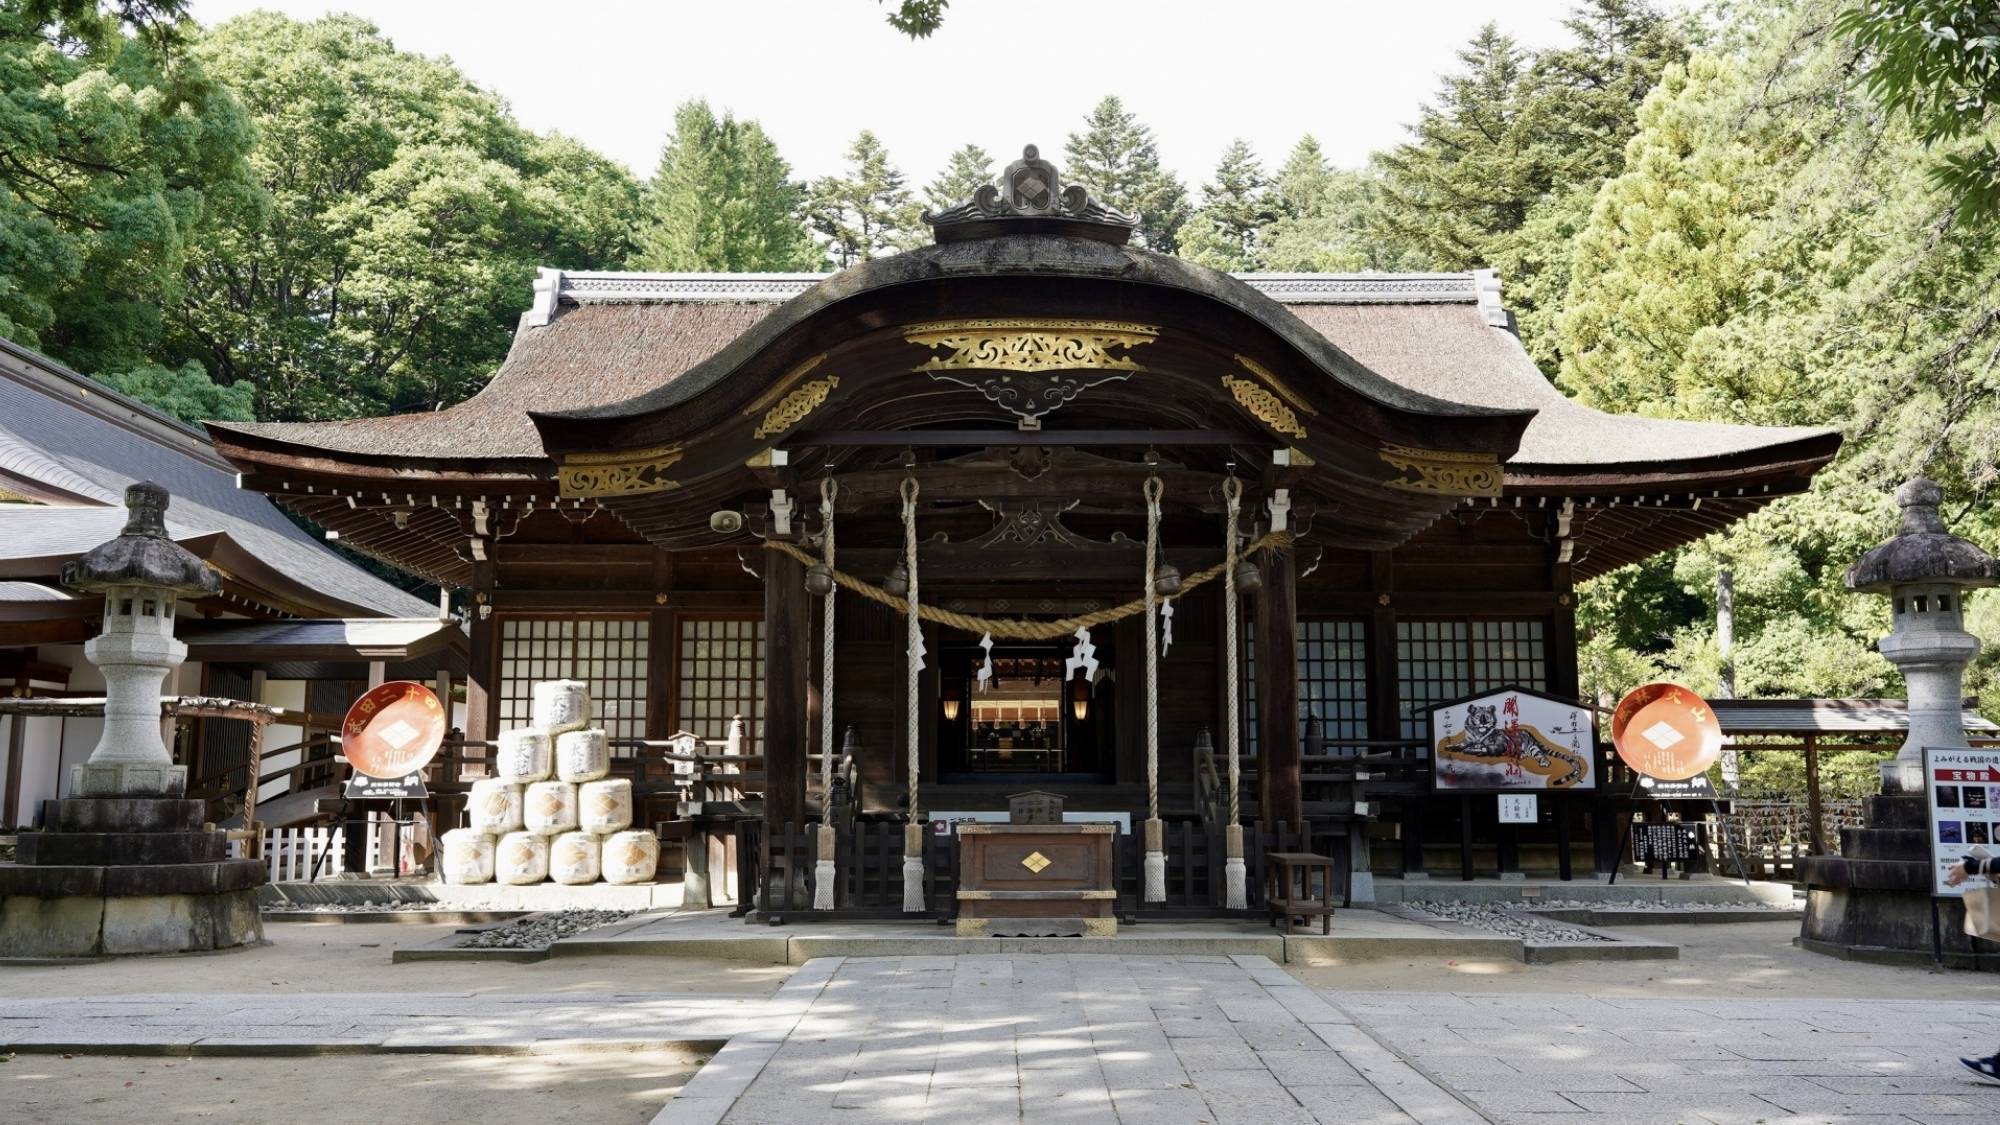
[1439, 661]
[722, 676]
[1333, 677]
[1333, 680]
[607, 655]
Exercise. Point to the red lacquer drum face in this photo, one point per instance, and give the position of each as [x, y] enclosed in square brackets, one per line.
[1666, 731]
[393, 731]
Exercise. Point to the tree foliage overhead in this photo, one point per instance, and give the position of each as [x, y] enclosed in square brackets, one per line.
[868, 211]
[1117, 159]
[722, 199]
[405, 215]
[119, 151]
[1937, 63]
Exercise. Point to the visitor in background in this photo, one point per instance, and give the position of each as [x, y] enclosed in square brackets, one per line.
[1988, 866]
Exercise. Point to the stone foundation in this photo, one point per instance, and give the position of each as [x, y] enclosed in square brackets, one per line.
[118, 875]
[1873, 901]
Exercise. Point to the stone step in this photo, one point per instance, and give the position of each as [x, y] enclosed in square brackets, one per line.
[123, 814]
[119, 848]
[58, 881]
[1885, 843]
[1899, 812]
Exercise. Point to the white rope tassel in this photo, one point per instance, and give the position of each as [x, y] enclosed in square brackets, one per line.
[1156, 853]
[1235, 893]
[913, 833]
[824, 872]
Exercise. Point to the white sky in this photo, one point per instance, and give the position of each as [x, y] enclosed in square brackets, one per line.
[999, 74]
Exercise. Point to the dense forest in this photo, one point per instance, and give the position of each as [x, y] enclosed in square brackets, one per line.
[1781, 212]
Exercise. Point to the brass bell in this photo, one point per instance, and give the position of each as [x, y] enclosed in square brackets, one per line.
[1166, 581]
[898, 582]
[1249, 579]
[819, 580]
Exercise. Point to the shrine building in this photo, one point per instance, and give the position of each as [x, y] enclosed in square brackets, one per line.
[642, 499]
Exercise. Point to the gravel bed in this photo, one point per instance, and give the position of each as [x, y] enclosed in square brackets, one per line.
[1655, 904]
[357, 907]
[1503, 921]
[540, 931]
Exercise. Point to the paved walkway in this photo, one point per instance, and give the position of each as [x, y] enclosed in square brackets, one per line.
[1083, 1038]
[1564, 1059]
[1170, 1040]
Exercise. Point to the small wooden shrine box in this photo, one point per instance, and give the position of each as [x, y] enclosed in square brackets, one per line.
[1036, 880]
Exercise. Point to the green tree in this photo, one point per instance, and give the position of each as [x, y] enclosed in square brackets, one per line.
[407, 214]
[967, 170]
[722, 199]
[1325, 218]
[185, 392]
[866, 213]
[1228, 232]
[1117, 159]
[1937, 62]
[119, 151]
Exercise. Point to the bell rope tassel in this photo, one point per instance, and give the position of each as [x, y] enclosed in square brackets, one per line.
[1156, 861]
[823, 872]
[913, 869]
[1236, 895]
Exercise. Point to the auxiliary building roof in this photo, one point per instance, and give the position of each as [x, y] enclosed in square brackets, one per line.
[598, 345]
[70, 446]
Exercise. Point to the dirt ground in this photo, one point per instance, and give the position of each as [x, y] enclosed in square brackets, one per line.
[1721, 960]
[594, 1086]
[354, 957]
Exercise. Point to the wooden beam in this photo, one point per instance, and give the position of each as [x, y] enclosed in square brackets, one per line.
[932, 439]
[1278, 691]
[787, 641]
[482, 698]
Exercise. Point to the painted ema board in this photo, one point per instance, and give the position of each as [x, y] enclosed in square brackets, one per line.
[1963, 791]
[1512, 740]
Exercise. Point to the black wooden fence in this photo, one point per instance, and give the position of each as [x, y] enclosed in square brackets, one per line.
[776, 869]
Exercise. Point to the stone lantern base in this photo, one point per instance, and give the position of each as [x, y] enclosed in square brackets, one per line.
[1873, 901]
[117, 875]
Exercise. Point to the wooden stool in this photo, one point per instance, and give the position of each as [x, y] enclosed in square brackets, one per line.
[1289, 891]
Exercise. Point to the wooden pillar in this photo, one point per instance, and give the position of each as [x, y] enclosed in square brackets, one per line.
[254, 769]
[482, 667]
[1278, 691]
[1816, 832]
[17, 744]
[787, 644]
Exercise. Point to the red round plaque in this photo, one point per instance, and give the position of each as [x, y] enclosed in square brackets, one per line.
[1666, 731]
[393, 731]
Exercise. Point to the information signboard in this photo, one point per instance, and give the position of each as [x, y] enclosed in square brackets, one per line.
[1662, 843]
[361, 787]
[1512, 739]
[1962, 788]
[1518, 808]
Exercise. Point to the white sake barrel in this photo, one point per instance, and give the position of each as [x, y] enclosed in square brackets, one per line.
[549, 807]
[521, 858]
[561, 705]
[630, 857]
[525, 755]
[583, 755]
[467, 857]
[494, 807]
[604, 806]
[574, 858]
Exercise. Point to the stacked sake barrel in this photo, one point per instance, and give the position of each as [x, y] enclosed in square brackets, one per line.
[551, 811]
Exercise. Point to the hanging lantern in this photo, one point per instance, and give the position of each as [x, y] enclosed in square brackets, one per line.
[819, 580]
[898, 582]
[948, 696]
[1166, 581]
[1079, 699]
[1249, 579]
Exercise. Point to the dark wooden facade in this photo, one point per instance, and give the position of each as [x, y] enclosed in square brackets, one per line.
[1441, 498]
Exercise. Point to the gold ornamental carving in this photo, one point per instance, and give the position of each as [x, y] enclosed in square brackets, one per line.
[616, 474]
[1436, 470]
[1288, 394]
[793, 408]
[1265, 406]
[1031, 344]
[787, 382]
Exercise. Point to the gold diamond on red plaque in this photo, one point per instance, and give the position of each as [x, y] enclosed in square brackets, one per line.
[1035, 862]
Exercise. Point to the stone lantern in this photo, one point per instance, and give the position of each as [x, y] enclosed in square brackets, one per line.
[141, 573]
[1926, 572]
[1873, 900]
[127, 863]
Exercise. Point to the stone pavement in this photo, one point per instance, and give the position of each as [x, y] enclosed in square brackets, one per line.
[273, 1023]
[1060, 1038]
[1561, 1059]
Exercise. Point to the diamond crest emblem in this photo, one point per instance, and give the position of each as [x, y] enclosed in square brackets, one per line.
[1662, 735]
[1035, 862]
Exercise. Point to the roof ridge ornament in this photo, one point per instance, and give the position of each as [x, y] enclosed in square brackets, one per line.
[1031, 199]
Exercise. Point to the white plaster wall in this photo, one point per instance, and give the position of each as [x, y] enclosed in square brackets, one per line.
[291, 696]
